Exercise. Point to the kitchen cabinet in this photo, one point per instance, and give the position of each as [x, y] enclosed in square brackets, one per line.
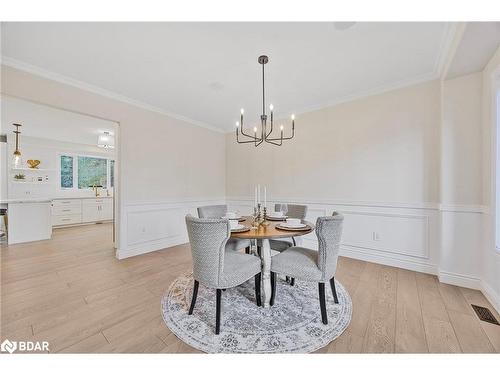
[81, 211]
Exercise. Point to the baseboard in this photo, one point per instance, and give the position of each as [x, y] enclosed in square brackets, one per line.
[356, 253]
[459, 280]
[491, 295]
[149, 247]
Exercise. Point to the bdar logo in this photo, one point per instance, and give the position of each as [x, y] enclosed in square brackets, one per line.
[8, 346]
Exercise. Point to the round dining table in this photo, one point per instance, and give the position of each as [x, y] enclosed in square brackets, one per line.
[262, 235]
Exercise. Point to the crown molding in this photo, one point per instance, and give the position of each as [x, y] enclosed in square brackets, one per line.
[449, 48]
[32, 69]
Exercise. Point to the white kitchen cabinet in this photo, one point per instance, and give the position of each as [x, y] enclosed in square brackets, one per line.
[81, 211]
[97, 210]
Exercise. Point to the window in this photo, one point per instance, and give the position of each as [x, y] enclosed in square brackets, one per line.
[83, 172]
[92, 171]
[66, 171]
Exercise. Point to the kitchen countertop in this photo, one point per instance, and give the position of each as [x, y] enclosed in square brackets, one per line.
[26, 200]
[44, 199]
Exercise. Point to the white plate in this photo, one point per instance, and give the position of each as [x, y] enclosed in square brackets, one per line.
[277, 217]
[238, 227]
[232, 218]
[292, 226]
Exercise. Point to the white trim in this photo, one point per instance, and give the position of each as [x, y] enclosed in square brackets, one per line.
[179, 202]
[359, 253]
[338, 202]
[490, 295]
[449, 48]
[466, 208]
[457, 279]
[20, 65]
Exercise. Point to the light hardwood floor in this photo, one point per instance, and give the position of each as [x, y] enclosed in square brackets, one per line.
[73, 292]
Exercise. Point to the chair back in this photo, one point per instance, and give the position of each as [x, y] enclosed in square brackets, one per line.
[208, 238]
[296, 211]
[329, 233]
[216, 211]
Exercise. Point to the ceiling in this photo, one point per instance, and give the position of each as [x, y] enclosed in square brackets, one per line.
[206, 72]
[479, 42]
[46, 122]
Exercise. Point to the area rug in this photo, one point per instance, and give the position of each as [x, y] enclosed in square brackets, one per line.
[292, 325]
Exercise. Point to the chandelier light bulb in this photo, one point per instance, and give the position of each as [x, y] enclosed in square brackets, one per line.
[293, 117]
[242, 111]
[281, 127]
[271, 107]
[255, 129]
[237, 124]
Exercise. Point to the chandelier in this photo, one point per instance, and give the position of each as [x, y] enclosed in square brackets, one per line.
[265, 135]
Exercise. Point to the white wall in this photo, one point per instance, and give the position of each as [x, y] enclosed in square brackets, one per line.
[165, 164]
[375, 159]
[461, 181]
[381, 148]
[490, 256]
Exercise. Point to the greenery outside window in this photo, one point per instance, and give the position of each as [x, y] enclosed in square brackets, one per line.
[83, 172]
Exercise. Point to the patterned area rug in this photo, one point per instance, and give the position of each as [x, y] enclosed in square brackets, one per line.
[292, 325]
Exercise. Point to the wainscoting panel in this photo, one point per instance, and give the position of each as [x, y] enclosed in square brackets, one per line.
[156, 225]
[401, 235]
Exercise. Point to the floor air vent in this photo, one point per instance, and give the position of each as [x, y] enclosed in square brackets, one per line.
[485, 314]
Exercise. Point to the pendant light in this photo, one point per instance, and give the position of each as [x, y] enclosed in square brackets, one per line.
[106, 140]
[17, 161]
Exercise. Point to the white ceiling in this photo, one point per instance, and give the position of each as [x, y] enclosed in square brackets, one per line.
[207, 71]
[46, 122]
[479, 42]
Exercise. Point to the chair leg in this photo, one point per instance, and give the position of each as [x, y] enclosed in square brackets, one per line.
[247, 250]
[288, 279]
[257, 289]
[259, 250]
[322, 303]
[193, 299]
[334, 291]
[292, 283]
[273, 288]
[217, 312]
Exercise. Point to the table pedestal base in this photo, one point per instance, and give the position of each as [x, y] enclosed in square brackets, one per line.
[265, 256]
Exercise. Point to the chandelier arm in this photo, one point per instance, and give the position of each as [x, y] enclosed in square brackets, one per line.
[274, 143]
[253, 138]
[246, 135]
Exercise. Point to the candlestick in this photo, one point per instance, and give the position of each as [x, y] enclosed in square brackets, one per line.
[258, 194]
[265, 197]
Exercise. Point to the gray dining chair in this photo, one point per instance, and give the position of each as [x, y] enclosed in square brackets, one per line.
[216, 212]
[215, 267]
[296, 211]
[310, 265]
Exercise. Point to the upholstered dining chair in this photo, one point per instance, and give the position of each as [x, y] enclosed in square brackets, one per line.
[310, 265]
[215, 267]
[296, 211]
[216, 212]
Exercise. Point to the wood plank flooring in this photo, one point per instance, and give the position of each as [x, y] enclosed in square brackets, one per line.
[73, 292]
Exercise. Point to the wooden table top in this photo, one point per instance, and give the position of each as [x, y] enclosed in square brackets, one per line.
[270, 231]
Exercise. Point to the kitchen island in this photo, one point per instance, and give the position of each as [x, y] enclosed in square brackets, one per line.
[29, 219]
